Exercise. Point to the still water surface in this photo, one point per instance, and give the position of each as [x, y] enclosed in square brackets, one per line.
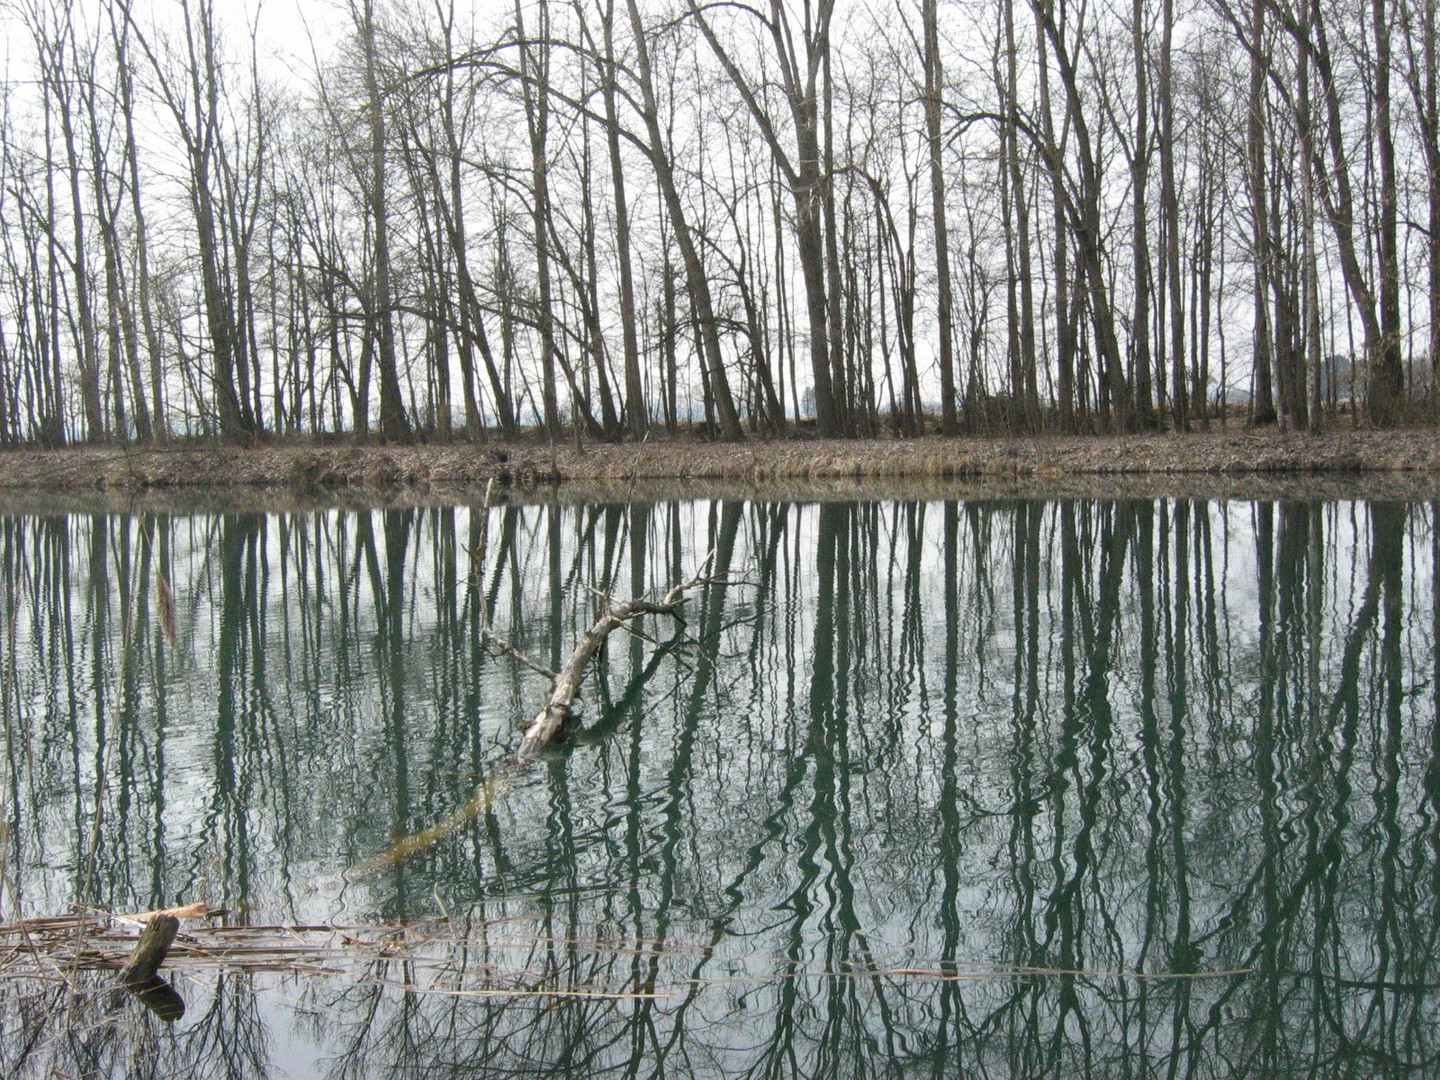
[916, 789]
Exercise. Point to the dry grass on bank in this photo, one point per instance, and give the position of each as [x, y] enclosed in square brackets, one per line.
[379, 468]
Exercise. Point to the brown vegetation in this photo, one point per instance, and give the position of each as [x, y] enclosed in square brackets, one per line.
[449, 468]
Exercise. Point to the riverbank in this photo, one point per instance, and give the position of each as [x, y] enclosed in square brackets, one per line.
[1405, 463]
[378, 466]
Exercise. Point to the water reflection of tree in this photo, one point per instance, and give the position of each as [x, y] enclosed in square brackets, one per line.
[89, 1029]
[1163, 737]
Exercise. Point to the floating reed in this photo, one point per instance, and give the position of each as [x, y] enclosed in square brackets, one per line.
[492, 959]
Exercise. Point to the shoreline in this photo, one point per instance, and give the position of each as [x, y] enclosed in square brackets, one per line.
[1222, 463]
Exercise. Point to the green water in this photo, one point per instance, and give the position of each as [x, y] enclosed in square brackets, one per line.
[916, 789]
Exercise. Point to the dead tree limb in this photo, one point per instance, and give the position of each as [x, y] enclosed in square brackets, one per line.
[565, 684]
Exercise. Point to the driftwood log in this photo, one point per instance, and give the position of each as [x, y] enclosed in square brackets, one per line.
[150, 950]
[140, 974]
[565, 683]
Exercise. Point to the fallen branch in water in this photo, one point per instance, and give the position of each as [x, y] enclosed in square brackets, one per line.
[565, 684]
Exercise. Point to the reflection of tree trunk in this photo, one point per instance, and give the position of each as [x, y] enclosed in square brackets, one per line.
[239, 540]
[1184, 954]
[1023, 947]
[834, 517]
[1387, 560]
[816, 757]
[1388, 733]
[672, 829]
[1091, 622]
[1387, 534]
[390, 620]
[1432, 767]
[1267, 950]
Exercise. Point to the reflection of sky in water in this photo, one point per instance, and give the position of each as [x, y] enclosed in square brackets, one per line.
[1110, 737]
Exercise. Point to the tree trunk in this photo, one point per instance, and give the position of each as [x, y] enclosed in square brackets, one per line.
[636, 413]
[695, 279]
[944, 300]
[1170, 218]
[1263, 402]
[1086, 222]
[799, 74]
[1387, 375]
[1025, 375]
[394, 425]
[1140, 223]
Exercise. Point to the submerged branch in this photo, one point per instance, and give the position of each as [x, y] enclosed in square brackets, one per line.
[565, 685]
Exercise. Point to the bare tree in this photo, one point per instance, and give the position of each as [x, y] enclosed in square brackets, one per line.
[394, 424]
[192, 95]
[800, 55]
[657, 149]
[944, 298]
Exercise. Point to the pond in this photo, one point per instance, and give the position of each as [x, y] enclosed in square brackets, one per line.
[988, 787]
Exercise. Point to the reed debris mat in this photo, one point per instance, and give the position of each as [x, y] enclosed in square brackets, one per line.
[504, 957]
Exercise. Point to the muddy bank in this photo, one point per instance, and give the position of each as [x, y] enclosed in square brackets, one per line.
[1232, 462]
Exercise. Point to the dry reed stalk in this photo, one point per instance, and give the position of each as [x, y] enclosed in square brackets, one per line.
[186, 911]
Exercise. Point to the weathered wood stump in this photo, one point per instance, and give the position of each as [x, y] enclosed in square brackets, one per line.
[139, 975]
[150, 950]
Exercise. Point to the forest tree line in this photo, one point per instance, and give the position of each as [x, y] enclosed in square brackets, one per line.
[613, 218]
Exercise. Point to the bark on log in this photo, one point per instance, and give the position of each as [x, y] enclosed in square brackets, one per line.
[566, 683]
[150, 951]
